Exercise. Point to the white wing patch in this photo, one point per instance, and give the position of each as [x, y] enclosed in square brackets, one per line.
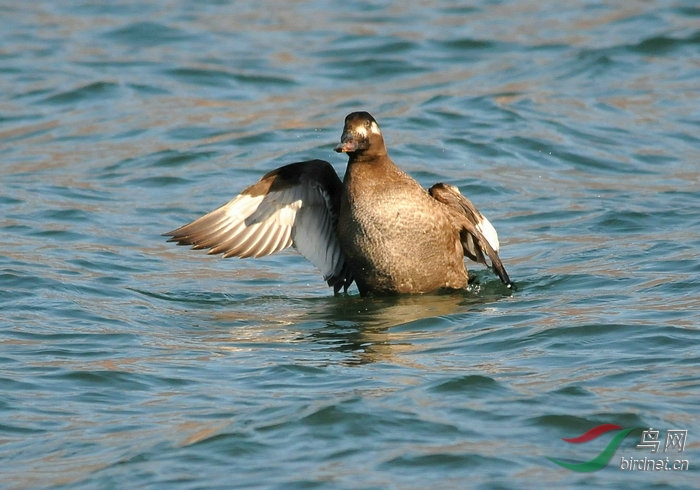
[482, 224]
[287, 214]
[489, 232]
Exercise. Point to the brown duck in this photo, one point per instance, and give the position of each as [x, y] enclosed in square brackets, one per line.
[378, 227]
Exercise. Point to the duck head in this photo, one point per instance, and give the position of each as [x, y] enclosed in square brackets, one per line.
[361, 135]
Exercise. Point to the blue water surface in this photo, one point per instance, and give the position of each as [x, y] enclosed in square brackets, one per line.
[128, 362]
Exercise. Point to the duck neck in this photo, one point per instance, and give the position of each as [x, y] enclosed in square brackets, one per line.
[373, 158]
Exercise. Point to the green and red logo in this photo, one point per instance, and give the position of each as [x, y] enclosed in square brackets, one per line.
[604, 457]
[674, 441]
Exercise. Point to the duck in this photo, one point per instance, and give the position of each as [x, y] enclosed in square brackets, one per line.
[378, 227]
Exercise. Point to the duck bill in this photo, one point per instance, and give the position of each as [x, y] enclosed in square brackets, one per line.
[347, 146]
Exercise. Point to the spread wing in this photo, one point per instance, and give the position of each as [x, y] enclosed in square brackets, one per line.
[295, 205]
[479, 237]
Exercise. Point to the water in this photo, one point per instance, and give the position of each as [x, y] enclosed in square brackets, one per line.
[129, 362]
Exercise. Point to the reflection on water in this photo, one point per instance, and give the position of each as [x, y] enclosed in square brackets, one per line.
[361, 329]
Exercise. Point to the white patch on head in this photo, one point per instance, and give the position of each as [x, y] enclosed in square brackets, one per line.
[374, 128]
[361, 131]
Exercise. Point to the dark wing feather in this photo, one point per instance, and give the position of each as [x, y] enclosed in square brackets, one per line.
[297, 205]
[479, 237]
